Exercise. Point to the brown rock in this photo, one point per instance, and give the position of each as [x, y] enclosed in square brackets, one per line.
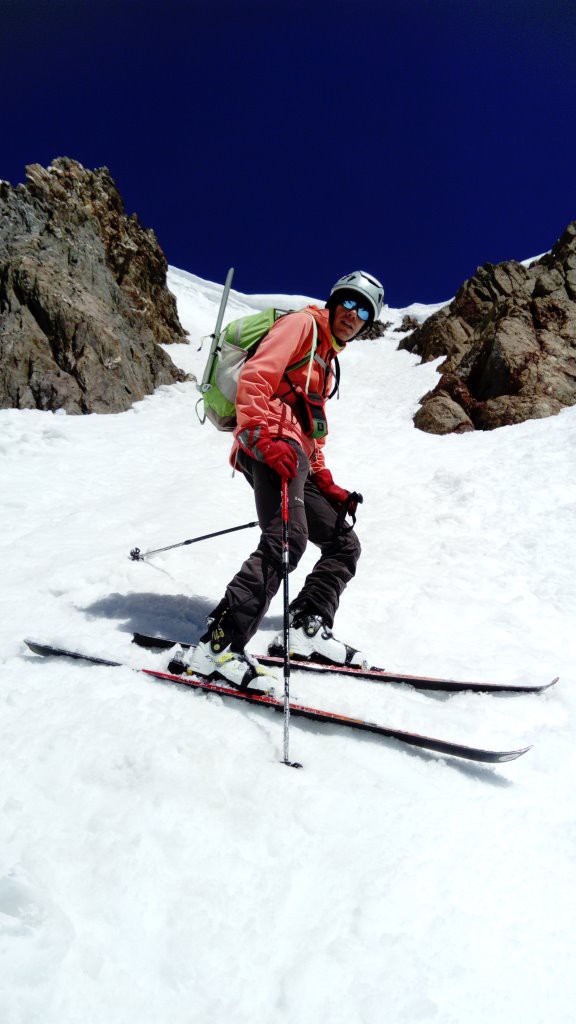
[509, 337]
[442, 415]
[409, 323]
[376, 329]
[83, 296]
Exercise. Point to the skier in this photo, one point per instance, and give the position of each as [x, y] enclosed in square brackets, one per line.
[280, 435]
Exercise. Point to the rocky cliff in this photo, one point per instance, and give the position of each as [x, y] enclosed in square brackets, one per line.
[509, 337]
[83, 296]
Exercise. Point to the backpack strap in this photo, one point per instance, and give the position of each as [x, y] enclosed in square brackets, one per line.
[308, 358]
[312, 352]
[332, 369]
[336, 374]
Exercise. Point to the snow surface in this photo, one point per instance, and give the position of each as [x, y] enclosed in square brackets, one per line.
[157, 861]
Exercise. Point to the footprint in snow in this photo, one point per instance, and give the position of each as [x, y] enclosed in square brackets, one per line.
[35, 934]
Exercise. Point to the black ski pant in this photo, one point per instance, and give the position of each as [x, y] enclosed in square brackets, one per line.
[311, 516]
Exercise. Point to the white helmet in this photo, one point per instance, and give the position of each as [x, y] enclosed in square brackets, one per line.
[366, 285]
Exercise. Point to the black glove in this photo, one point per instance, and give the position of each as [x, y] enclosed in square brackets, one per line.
[349, 508]
[354, 500]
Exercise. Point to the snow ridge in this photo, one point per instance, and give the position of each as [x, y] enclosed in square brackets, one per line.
[157, 862]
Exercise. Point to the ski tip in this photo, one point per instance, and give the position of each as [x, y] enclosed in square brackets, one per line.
[36, 648]
[544, 686]
[511, 755]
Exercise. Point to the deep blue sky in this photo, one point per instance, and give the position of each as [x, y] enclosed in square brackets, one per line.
[297, 141]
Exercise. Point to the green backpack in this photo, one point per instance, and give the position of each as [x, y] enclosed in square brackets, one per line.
[229, 351]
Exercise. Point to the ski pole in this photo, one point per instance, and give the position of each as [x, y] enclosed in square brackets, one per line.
[138, 556]
[285, 571]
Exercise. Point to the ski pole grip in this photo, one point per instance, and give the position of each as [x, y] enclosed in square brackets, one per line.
[349, 509]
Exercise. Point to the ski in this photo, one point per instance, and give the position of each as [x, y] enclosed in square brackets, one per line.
[377, 675]
[328, 718]
[50, 651]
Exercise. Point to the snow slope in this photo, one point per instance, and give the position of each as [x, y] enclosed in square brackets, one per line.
[157, 862]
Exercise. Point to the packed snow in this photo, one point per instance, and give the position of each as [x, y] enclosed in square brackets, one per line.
[158, 862]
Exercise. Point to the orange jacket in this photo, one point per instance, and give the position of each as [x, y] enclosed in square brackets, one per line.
[265, 398]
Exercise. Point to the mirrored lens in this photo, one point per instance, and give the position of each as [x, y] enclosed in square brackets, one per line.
[364, 314]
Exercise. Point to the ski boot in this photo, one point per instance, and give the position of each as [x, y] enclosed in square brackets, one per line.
[220, 655]
[311, 639]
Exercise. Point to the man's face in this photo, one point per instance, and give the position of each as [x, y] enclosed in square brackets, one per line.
[346, 323]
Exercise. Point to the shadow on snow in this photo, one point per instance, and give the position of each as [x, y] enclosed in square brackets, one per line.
[170, 615]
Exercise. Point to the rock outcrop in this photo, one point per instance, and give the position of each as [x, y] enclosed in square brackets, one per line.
[375, 330]
[509, 337]
[83, 296]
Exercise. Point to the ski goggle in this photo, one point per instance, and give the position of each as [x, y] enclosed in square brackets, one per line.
[363, 313]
